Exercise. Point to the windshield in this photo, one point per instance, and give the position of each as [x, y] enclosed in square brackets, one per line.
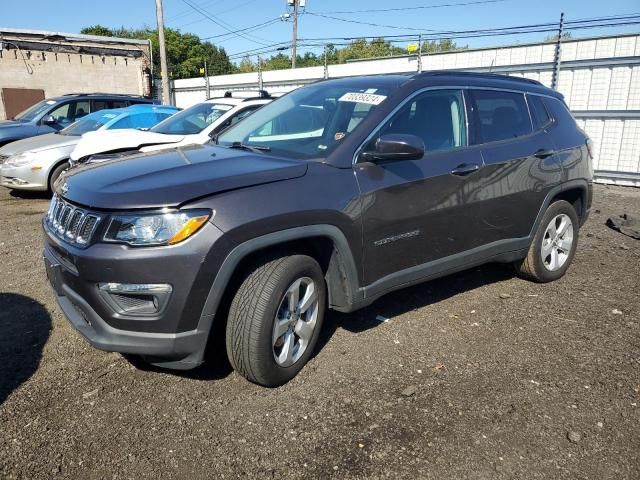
[34, 111]
[89, 123]
[309, 122]
[192, 120]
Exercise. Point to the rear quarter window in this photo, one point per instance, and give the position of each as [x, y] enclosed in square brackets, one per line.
[500, 115]
[539, 113]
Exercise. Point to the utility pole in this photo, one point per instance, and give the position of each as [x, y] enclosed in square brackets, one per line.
[420, 53]
[260, 82]
[166, 94]
[295, 33]
[326, 63]
[206, 80]
[557, 55]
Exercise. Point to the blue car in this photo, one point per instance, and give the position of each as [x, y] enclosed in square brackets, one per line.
[54, 114]
[36, 163]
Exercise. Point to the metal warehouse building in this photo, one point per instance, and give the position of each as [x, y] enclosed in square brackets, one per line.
[599, 77]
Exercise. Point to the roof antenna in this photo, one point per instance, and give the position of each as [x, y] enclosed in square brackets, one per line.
[491, 66]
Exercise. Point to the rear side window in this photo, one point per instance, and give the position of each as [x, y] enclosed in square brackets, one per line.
[541, 117]
[500, 115]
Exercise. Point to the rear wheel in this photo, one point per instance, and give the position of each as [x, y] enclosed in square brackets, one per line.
[55, 174]
[275, 319]
[554, 245]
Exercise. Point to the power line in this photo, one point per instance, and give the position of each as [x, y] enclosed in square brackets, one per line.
[251, 28]
[218, 13]
[532, 28]
[423, 7]
[423, 30]
[580, 24]
[186, 13]
[222, 24]
[397, 27]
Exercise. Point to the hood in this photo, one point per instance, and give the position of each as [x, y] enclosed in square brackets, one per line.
[104, 141]
[41, 142]
[172, 177]
[9, 123]
[10, 129]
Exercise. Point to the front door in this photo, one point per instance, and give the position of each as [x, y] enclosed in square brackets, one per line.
[420, 211]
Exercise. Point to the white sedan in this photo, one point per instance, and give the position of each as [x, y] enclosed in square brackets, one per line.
[194, 125]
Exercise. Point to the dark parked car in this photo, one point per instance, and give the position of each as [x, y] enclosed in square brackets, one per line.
[54, 114]
[329, 197]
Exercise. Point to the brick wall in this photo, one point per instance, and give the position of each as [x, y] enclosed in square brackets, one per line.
[60, 73]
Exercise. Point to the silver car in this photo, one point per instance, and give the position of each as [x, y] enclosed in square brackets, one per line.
[36, 163]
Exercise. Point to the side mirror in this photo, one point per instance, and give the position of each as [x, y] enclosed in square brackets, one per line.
[395, 146]
[49, 120]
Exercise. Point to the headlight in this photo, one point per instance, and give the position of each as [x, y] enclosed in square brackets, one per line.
[20, 159]
[155, 228]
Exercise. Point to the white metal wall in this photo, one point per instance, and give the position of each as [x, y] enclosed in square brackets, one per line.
[599, 77]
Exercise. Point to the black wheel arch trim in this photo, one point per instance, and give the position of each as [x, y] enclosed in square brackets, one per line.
[273, 239]
[580, 183]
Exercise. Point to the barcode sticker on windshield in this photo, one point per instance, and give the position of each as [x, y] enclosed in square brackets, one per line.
[369, 98]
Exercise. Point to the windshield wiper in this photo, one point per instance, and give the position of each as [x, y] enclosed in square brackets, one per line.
[251, 148]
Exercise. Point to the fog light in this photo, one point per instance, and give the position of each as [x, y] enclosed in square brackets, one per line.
[136, 299]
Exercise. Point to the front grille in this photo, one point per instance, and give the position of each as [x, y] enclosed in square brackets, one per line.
[72, 224]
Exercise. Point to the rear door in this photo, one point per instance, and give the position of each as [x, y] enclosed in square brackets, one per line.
[520, 163]
[418, 211]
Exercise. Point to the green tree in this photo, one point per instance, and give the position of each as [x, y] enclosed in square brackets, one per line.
[444, 45]
[554, 38]
[246, 65]
[186, 53]
[97, 30]
[360, 49]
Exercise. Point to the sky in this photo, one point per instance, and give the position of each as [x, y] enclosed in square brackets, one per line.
[72, 15]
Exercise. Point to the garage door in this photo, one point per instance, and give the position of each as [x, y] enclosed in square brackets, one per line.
[16, 100]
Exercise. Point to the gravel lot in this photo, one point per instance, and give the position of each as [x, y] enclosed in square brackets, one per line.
[478, 375]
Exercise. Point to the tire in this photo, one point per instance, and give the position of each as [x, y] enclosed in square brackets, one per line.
[550, 256]
[253, 347]
[55, 174]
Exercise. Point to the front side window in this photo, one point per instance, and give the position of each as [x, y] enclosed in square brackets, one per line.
[192, 120]
[309, 122]
[437, 117]
[63, 114]
[500, 115]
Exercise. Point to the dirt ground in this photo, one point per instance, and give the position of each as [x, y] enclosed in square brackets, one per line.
[479, 375]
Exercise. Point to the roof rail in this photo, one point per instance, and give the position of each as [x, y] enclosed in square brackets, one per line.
[494, 76]
[247, 94]
[102, 93]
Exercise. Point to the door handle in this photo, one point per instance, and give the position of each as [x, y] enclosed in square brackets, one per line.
[465, 169]
[543, 153]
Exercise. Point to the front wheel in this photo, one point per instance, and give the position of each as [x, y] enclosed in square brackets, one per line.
[554, 245]
[275, 319]
[55, 174]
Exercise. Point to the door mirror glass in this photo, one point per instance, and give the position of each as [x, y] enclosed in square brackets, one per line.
[395, 146]
[49, 120]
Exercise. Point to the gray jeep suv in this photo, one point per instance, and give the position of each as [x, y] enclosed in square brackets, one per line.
[54, 114]
[329, 197]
